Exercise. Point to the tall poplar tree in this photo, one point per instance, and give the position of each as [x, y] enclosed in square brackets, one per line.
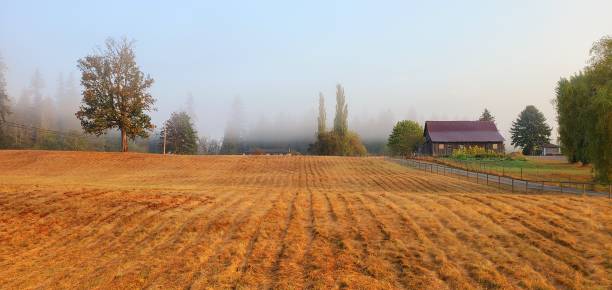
[116, 93]
[322, 119]
[341, 118]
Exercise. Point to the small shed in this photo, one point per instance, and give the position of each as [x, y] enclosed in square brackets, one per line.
[550, 149]
[442, 137]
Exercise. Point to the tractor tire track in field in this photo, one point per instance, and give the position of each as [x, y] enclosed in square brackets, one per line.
[542, 233]
[226, 216]
[219, 260]
[468, 236]
[397, 258]
[283, 222]
[252, 242]
[452, 274]
[309, 265]
[495, 246]
[558, 264]
[358, 237]
[280, 254]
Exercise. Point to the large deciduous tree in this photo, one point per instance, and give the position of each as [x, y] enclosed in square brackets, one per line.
[180, 135]
[584, 112]
[571, 102]
[405, 138]
[115, 93]
[530, 130]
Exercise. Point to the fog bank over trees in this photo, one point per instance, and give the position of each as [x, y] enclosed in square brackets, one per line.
[51, 104]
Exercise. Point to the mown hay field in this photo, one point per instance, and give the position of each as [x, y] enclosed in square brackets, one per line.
[111, 220]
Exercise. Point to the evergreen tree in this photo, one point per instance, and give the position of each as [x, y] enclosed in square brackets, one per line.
[37, 84]
[233, 137]
[181, 137]
[5, 106]
[486, 116]
[116, 93]
[67, 102]
[405, 138]
[322, 119]
[530, 130]
[341, 118]
[190, 107]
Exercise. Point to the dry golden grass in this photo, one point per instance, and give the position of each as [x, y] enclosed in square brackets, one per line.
[104, 220]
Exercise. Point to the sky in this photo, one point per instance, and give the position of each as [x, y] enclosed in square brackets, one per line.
[423, 60]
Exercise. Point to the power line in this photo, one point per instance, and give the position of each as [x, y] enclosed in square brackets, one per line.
[44, 130]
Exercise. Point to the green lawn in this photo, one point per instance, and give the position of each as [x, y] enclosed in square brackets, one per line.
[532, 168]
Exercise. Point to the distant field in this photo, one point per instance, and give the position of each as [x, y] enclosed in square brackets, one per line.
[111, 220]
[533, 168]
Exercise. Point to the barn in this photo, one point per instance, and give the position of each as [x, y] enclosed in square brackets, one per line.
[442, 137]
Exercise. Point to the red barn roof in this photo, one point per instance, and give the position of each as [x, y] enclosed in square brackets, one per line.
[462, 131]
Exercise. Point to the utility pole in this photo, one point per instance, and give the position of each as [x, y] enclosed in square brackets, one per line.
[164, 141]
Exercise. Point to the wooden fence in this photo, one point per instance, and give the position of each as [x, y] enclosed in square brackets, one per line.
[501, 181]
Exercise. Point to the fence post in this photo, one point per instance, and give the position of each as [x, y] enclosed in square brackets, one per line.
[526, 185]
[521, 172]
[583, 190]
[512, 183]
[498, 182]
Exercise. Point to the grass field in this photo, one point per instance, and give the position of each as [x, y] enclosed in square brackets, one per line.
[532, 168]
[110, 220]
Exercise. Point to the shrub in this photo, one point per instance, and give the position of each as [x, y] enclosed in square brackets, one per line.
[475, 152]
[516, 156]
[331, 143]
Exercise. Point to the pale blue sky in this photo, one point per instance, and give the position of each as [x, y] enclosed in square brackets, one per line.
[435, 60]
